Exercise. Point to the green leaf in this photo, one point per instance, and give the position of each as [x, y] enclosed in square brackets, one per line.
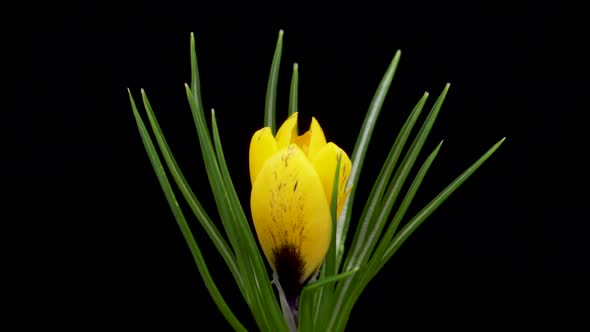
[332, 279]
[207, 151]
[181, 221]
[360, 149]
[294, 90]
[190, 197]
[195, 81]
[257, 292]
[214, 176]
[377, 223]
[271, 90]
[400, 238]
[228, 217]
[306, 303]
[373, 204]
[262, 287]
[401, 211]
[345, 293]
[212, 168]
[329, 268]
[330, 260]
[371, 268]
[413, 224]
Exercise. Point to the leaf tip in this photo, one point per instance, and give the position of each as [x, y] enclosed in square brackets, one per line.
[295, 67]
[281, 33]
[396, 57]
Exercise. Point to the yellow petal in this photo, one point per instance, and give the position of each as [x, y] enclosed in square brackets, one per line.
[317, 140]
[325, 162]
[312, 140]
[290, 211]
[302, 142]
[288, 132]
[262, 146]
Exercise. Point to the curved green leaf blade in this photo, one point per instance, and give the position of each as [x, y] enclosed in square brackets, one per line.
[179, 216]
[373, 204]
[401, 211]
[413, 224]
[210, 228]
[376, 224]
[262, 288]
[371, 268]
[360, 149]
[306, 300]
[293, 95]
[223, 207]
[195, 81]
[330, 260]
[271, 89]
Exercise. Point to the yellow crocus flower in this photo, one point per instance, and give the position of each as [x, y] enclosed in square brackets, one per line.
[292, 178]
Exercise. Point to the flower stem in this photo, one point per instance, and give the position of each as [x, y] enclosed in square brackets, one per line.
[289, 306]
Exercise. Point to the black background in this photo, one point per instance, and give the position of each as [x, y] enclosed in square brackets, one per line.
[100, 247]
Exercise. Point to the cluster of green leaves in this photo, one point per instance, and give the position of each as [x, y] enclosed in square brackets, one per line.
[326, 302]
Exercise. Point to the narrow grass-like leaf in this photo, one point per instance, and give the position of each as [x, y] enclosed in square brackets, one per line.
[235, 204]
[376, 224]
[305, 303]
[210, 228]
[343, 293]
[181, 221]
[215, 177]
[293, 95]
[207, 151]
[211, 166]
[417, 220]
[235, 223]
[228, 219]
[330, 279]
[378, 262]
[306, 309]
[262, 289]
[330, 259]
[370, 269]
[220, 195]
[401, 211]
[195, 81]
[374, 201]
[329, 267]
[360, 149]
[358, 158]
[271, 89]
[318, 301]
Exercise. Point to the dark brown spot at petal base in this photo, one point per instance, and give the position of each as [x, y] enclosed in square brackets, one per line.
[289, 266]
